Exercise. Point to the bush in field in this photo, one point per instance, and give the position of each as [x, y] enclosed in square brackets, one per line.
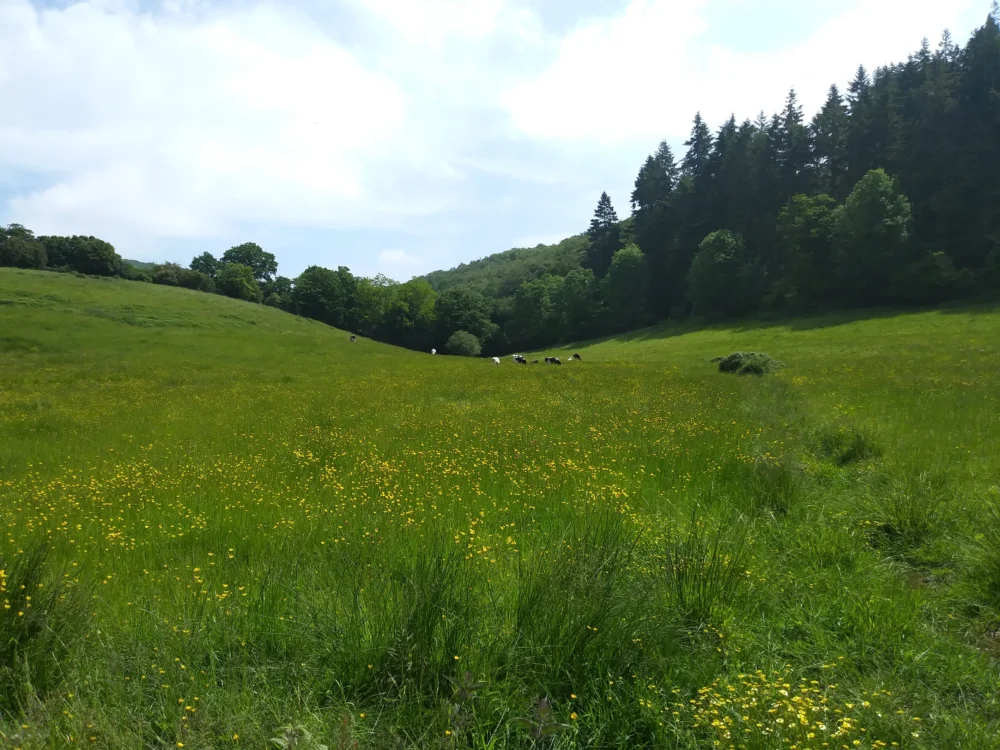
[464, 344]
[748, 363]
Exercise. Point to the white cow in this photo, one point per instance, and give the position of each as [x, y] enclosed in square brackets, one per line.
[434, 351]
[496, 360]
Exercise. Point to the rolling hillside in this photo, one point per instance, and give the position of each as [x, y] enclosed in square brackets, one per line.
[220, 519]
[500, 274]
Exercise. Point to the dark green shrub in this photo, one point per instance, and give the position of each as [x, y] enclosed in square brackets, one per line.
[196, 280]
[464, 344]
[748, 363]
[166, 274]
[134, 273]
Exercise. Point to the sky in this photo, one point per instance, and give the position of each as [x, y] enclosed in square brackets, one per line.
[392, 136]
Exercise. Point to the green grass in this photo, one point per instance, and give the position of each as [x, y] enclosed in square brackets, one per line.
[230, 520]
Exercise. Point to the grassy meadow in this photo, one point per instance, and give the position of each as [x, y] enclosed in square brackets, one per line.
[219, 519]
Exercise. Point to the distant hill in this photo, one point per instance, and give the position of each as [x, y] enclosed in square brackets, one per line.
[500, 274]
[138, 263]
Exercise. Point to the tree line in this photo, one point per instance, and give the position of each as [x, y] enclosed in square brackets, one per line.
[888, 196]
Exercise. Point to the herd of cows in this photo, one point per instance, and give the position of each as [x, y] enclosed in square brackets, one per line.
[516, 357]
[522, 361]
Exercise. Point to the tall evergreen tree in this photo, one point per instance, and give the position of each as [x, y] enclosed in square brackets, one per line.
[795, 148]
[656, 179]
[978, 110]
[699, 148]
[604, 235]
[829, 129]
[947, 49]
[860, 148]
[653, 221]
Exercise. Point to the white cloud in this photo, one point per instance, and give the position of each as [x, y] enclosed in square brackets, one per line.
[205, 119]
[185, 123]
[642, 75]
[432, 21]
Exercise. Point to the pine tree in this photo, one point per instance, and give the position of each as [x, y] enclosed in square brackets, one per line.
[860, 135]
[829, 129]
[656, 179]
[604, 235]
[604, 218]
[858, 89]
[795, 151]
[947, 50]
[978, 110]
[652, 204]
[699, 148]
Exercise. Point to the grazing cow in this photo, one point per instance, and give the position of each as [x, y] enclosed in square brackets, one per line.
[522, 361]
[353, 339]
[555, 361]
[515, 357]
[577, 356]
[548, 360]
[434, 351]
[496, 360]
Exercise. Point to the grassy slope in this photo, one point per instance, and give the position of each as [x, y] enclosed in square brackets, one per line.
[283, 526]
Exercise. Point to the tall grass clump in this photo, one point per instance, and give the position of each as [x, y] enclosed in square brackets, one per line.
[772, 484]
[907, 511]
[703, 566]
[991, 555]
[580, 609]
[395, 628]
[41, 618]
[983, 577]
[847, 443]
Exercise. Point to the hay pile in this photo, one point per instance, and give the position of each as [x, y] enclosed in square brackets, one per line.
[748, 363]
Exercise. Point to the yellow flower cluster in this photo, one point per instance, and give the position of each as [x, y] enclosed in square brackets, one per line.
[799, 714]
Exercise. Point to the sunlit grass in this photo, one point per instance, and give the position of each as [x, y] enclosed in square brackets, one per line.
[281, 528]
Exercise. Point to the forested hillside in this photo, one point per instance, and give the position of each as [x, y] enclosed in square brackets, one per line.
[501, 274]
[888, 196]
